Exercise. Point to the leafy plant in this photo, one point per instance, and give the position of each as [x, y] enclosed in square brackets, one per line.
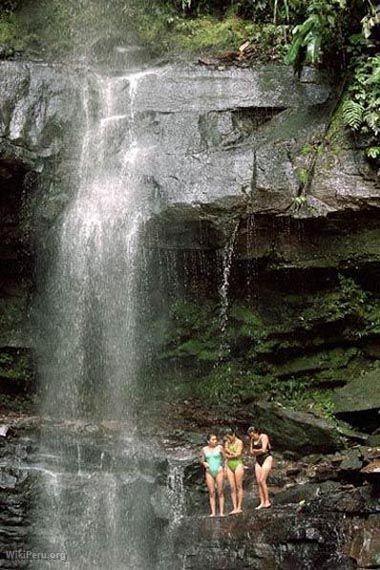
[373, 152]
[353, 114]
[361, 110]
[310, 37]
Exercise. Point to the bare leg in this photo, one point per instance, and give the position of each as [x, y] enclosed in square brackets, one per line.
[267, 466]
[231, 480]
[239, 476]
[219, 486]
[211, 489]
[258, 472]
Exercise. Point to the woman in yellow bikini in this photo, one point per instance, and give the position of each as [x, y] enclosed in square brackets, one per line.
[233, 450]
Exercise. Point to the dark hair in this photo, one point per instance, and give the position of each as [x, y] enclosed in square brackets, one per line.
[253, 429]
[230, 431]
[210, 435]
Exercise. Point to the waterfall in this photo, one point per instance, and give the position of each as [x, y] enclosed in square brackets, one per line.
[176, 488]
[101, 514]
[94, 289]
[225, 284]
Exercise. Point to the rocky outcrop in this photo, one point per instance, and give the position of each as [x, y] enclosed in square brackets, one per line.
[324, 513]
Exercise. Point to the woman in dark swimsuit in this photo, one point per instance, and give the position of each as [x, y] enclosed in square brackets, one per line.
[261, 449]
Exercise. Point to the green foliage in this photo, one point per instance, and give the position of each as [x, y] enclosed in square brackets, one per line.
[17, 403]
[319, 29]
[15, 365]
[204, 33]
[278, 11]
[373, 152]
[330, 33]
[303, 177]
[278, 355]
[194, 333]
[353, 114]
[248, 324]
[225, 384]
[10, 34]
[361, 110]
[230, 383]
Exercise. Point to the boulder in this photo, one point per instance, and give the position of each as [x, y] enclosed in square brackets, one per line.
[359, 401]
[299, 432]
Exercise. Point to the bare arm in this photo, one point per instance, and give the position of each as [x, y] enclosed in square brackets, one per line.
[202, 459]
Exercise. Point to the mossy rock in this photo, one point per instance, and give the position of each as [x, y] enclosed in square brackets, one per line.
[361, 394]
[336, 358]
[358, 402]
[299, 432]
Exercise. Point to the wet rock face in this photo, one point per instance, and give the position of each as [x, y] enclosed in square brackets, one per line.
[15, 496]
[222, 139]
[279, 539]
[38, 104]
[244, 146]
[57, 481]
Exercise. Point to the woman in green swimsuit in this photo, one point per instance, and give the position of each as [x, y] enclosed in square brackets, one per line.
[212, 459]
[233, 450]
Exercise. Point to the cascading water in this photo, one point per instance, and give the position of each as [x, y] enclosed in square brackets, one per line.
[94, 288]
[224, 287]
[97, 477]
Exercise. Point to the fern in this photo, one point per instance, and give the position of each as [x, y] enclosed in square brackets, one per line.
[352, 114]
[361, 112]
[373, 152]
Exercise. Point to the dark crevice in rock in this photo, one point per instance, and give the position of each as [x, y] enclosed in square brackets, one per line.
[365, 420]
[247, 119]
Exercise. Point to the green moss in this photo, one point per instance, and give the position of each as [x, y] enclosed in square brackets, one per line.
[167, 31]
[15, 365]
[302, 175]
[281, 352]
[195, 330]
[307, 149]
[12, 314]
[232, 384]
[336, 137]
[19, 404]
[197, 34]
